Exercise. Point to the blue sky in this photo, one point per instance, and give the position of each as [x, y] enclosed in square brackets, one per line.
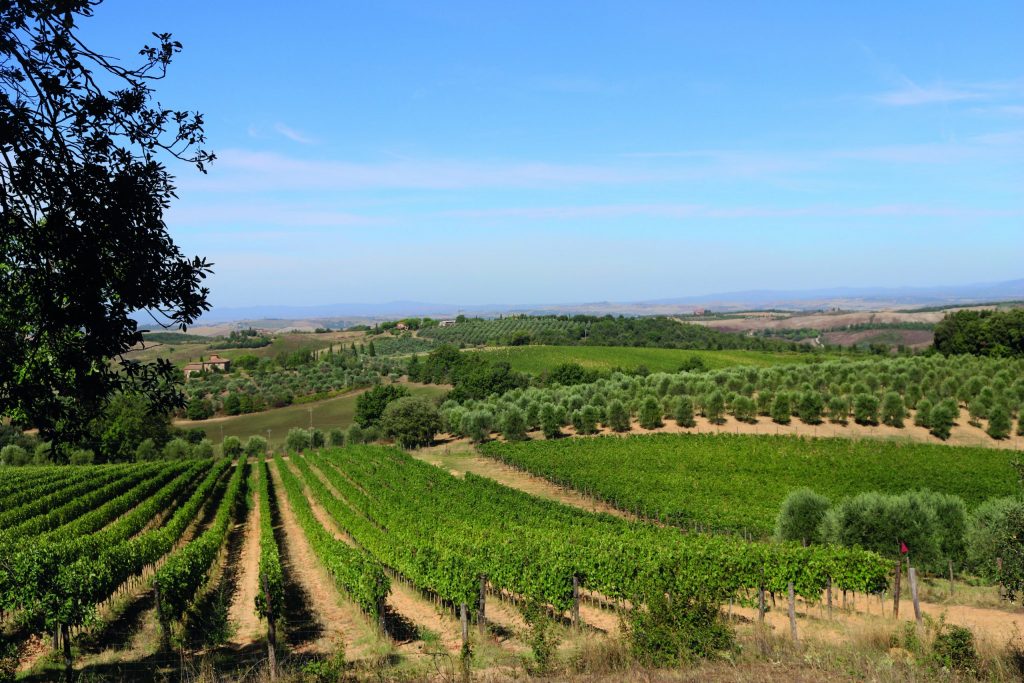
[541, 152]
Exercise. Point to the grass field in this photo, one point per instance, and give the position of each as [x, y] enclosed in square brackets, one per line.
[326, 414]
[537, 359]
[739, 481]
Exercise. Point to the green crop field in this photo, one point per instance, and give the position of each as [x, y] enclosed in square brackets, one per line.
[537, 359]
[327, 414]
[739, 482]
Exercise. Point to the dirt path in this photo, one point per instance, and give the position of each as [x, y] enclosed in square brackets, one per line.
[334, 618]
[249, 627]
[458, 456]
[403, 601]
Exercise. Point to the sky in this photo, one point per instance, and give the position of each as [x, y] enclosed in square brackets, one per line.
[559, 151]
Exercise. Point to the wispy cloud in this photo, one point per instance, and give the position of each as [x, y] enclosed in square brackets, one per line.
[912, 94]
[294, 135]
[701, 211]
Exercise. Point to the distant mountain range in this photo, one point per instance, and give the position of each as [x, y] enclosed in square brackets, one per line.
[847, 298]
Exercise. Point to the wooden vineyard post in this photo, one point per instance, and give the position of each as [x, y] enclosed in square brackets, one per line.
[760, 604]
[165, 636]
[950, 578]
[575, 601]
[828, 596]
[913, 594]
[464, 618]
[271, 630]
[999, 573]
[69, 662]
[482, 618]
[896, 592]
[792, 613]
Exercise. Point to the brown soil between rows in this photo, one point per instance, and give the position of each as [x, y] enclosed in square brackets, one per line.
[402, 600]
[249, 627]
[336, 619]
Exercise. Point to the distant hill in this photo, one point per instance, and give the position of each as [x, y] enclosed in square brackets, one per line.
[846, 298]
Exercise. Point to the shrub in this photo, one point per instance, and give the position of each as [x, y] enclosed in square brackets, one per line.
[355, 434]
[650, 413]
[953, 649]
[684, 412]
[231, 447]
[177, 449]
[298, 440]
[336, 437]
[986, 526]
[146, 450]
[618, 418]
[677, 628]
[203, 449]
[411, 421]
[255, 445]
[513, 424]
[81, 456]
[801, 515]
[13, 454]
[541, 633]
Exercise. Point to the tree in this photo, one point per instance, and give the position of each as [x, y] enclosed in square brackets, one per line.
[298, 440]
[513, 424]
[83, 241]
[203, 449]
[355, 434]
[618, 418]
[684, 412]
[923, 413]
[714, 407]
[810, 407]
[744, 409]
[370, 404]
[177, 449]
[838, 409]
[999, 422]
[81, 456]
[127, 421]
[411, 421]
[865, 409]
[231, 447]
[477, 425]
[336, 437]
[782, 409]
[551, 421]
[942, 418]
[585, 419]
[255, 445]
[893, 410]
[801, 515]
[650, 414]
[13, 454]
[146, 450]
[199, 409]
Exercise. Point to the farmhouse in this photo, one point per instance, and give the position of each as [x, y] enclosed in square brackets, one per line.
[446, 323]
[401, 326]
[214, 363]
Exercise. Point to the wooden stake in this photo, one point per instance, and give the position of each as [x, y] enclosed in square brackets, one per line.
[828, 595]
[913, 594]
[950, 578]
[482, 617]
[464, 618]
[575, 601]
[896, 592]
[760, 605]
[792, 613]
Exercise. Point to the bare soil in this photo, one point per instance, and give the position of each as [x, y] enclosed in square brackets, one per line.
[249, 627]
[330, 618]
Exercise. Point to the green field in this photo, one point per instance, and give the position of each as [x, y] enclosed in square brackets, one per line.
[327, 414]
[537, 359]
[739, 482]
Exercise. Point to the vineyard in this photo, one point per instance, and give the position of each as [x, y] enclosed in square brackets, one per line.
[164, 527]
[737, 483]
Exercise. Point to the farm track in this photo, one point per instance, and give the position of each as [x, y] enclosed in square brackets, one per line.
[249, 627]
[326, 617]
[404, 605]
[996, 625]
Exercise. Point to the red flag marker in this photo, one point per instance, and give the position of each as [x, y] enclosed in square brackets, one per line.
[903, 548]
